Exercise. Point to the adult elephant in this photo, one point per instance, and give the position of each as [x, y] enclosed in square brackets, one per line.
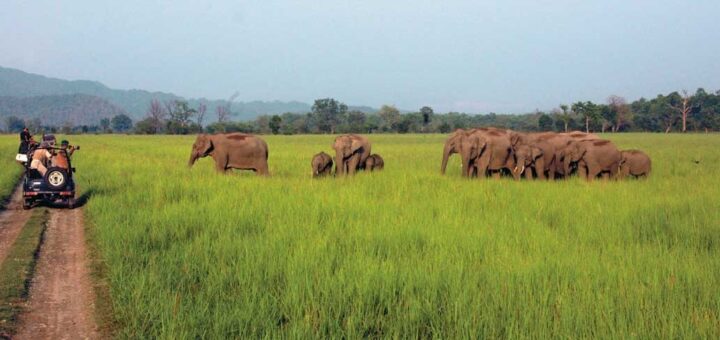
[351, 152]
[486, 151]
[538, 156]
[452, 146]
[596, 156]
[232, 151]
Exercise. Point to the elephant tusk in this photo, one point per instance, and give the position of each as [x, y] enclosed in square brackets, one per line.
[515, 169]
[523, 169]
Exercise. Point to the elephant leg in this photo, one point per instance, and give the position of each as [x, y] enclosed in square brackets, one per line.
[496, 175]
[262, 170]
[592, 172]
[352, 164]
[528, 173]
[605, 176]
[582, 169]
[540, 168]
[221, 165]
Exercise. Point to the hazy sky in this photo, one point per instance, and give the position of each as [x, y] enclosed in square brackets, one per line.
[472, 56]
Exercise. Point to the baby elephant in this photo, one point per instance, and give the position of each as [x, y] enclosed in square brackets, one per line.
[636, 163]
[322, 165]
[374, 162]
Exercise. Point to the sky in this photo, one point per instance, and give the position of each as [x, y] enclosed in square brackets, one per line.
[467, 56]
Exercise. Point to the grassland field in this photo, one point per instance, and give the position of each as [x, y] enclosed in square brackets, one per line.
[404, 252]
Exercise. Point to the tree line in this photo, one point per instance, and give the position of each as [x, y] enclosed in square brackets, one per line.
[674, 112]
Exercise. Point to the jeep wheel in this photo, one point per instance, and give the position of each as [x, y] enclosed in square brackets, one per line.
[56, 178]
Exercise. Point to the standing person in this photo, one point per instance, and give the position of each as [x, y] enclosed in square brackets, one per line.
[25, 138]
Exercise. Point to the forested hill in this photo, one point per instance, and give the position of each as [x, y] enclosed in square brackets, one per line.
[19, 84]
[60, 110]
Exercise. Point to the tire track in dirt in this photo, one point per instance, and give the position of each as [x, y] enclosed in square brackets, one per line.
[61, 303]
[12, 220]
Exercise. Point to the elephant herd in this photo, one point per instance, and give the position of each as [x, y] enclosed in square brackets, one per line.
[544, 155]
[484, 151]
[352, 153]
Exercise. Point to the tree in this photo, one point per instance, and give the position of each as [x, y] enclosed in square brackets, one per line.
[328, 113]
[588, 110]
[545, 123]
[618, 112]
[356, 121]
[566, 116]
[105, 125]
[427, 113]
[155, 118]
[682, 106]
[200, 113]
[390, 117]
[180, 114]
[121, 123]
[14, 124]
[274, 124]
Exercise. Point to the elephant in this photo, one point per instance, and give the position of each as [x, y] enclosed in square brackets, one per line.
[636, 163]
[553, 142]
[538, 156]
[596, 156]
[322, 164]
[452, 145]
[351, 152]
[486, 150]
[374, 162]
[232, 151]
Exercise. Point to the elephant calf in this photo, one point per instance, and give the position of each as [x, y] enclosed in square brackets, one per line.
[322, 165]
[374, 162]
[636, 163]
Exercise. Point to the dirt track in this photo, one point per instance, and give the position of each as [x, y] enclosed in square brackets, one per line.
[61, 303]
[12, 220]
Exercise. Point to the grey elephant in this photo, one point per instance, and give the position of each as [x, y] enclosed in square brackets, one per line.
[232, 151]
[595, 157]
[351, 152]
[322, 164]
[486, 151]
[374, 162]
[636, 163]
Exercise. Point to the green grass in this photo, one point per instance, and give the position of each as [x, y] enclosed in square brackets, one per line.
[10, 170]
[404, 252]
[17, 269]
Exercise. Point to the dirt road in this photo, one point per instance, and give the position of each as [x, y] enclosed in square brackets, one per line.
[12, 220]
[61, 303]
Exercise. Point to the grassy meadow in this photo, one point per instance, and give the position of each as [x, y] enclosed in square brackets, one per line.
[10, 170]
[404, 252]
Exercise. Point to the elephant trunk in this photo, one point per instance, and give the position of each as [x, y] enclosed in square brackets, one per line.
[446, 155]
[339, 164]
[566, 165]
[193, 157]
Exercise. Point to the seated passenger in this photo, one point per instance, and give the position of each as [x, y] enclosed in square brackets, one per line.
[41, 158]
[60, 159]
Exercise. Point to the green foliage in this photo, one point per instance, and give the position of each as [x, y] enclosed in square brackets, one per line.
[275, 122]
[406, 252]
[328, 113]
[121, 123]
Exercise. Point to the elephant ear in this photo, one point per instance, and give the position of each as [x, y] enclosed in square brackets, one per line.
[514, 138]
[355, 145]
[536, 153]
[207, 144]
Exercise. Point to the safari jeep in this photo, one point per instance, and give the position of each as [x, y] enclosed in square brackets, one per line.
[57, 186]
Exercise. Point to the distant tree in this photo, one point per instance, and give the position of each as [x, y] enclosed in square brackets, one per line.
[390, 117]
[155, 120]
[66, 128]
[328, 113]
[262, 124]
[618, 112]
[121, 123]
[274, 124]
[14, 124]
[105, 125]
[356, 121]
[545, 123]
[588, 110]
[565, 116]
[682, 106]
[427, 113]
[180, 117]
[200, 114]
[444, 127]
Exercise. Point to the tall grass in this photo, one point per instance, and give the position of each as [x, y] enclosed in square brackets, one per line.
[9, 169]
[406, 251]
